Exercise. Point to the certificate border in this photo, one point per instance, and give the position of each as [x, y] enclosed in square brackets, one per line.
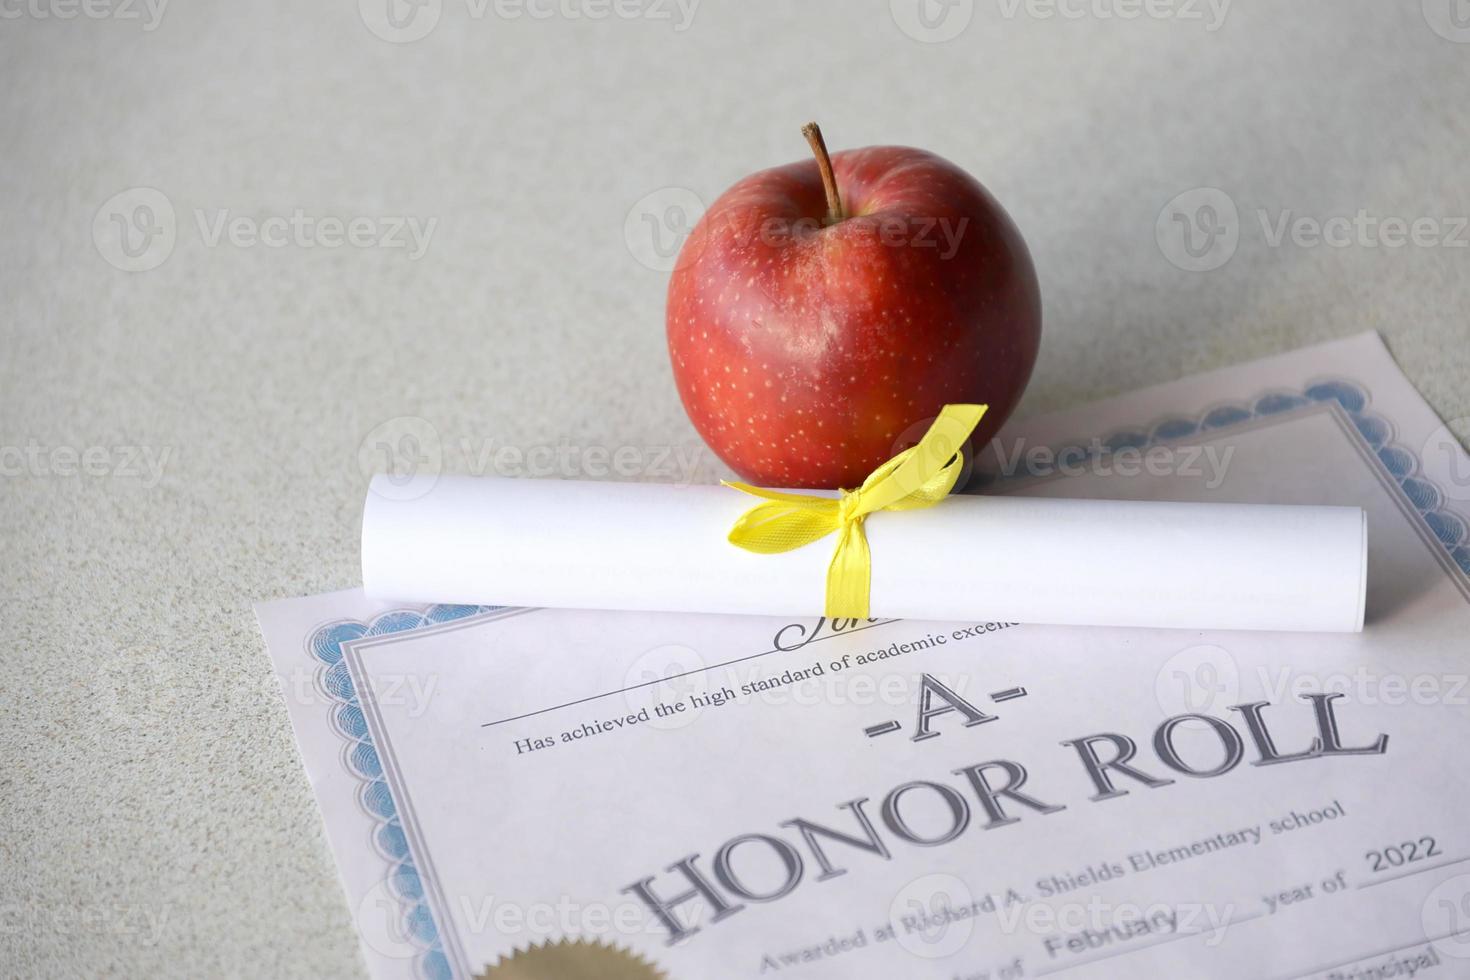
[428, 894]
[359, 758]
[1443, 531]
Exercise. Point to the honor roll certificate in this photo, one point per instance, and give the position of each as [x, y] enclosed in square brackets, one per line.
[749, 797]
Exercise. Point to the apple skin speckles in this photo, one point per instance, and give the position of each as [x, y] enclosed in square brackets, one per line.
[841, 339]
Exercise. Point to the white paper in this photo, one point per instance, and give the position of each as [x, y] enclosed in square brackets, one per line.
[461, 839]
[583, 544]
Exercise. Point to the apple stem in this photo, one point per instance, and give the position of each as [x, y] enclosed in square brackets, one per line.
[813, 134]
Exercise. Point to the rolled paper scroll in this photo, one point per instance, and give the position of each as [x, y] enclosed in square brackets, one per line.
[654, 547]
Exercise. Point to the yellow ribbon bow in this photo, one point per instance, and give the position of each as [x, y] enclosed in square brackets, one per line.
[915, 478]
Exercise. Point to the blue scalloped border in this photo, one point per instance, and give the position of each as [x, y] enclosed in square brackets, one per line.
[360, 758]
[1401, 465]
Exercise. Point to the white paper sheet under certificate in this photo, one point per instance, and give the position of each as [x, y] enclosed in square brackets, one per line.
[738, 797]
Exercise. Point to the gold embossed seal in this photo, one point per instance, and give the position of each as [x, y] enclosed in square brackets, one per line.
[583, 959]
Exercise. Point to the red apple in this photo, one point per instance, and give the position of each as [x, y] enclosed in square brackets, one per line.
[821, 310]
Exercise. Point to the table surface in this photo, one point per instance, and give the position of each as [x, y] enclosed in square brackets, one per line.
[187, 412]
